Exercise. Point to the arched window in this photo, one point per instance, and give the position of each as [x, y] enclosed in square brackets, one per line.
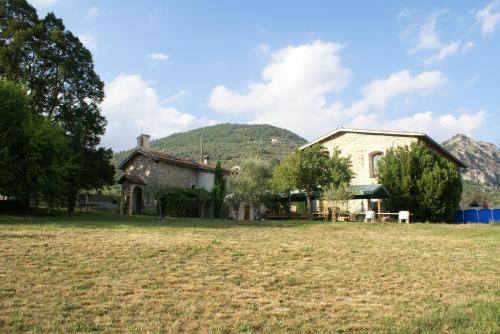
[374, 158]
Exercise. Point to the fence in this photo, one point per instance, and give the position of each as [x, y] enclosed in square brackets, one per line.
[477, 216]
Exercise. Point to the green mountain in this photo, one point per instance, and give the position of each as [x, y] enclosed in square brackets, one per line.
[229, 143]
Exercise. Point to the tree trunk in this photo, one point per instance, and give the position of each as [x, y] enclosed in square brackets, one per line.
[72, 196]
[289, 209]
[309, 206]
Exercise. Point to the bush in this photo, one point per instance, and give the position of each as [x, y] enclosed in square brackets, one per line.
[182, 202]
[420, 181]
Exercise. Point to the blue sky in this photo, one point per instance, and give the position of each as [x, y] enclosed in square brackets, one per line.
[309, 67]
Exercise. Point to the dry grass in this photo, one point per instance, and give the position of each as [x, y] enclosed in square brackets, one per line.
[118, 274]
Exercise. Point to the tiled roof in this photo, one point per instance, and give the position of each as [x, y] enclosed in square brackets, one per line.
[170, 158]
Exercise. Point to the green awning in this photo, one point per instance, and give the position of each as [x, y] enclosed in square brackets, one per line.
[370, 191]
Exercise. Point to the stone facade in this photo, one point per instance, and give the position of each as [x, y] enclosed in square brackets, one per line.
[359, 147]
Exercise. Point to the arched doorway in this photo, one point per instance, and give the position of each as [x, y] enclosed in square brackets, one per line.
[137, 200]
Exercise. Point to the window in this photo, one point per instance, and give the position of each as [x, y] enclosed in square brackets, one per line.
[374, 158]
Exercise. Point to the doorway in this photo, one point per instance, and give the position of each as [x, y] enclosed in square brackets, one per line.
[137, 201]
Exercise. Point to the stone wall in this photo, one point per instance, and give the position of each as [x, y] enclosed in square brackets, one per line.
[358, 147]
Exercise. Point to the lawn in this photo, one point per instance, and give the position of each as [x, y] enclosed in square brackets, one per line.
[109, 273]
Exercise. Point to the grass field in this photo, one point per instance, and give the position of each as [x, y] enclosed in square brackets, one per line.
[108, 273]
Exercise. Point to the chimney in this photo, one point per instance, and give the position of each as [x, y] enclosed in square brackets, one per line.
[143, 142]
[206, 160]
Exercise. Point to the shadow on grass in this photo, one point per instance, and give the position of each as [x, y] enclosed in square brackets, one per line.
[113, 220]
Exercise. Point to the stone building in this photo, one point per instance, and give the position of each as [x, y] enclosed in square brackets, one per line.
[144, 171]
[365, 148]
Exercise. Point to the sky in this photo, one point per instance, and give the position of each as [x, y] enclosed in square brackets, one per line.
[309, 66]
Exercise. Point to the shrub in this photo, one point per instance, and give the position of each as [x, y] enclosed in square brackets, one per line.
[420, 181]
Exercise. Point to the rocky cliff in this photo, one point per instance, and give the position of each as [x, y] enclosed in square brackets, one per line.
[482, 159]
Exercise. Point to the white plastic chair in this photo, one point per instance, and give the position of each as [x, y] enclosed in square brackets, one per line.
[370, 216]
[404, 215]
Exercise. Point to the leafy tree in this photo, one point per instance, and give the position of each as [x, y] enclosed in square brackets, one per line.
[340, 170]
[314, 172]
[284, 178]
[251, 185]
[219, 190]
[58, 73]
[421, 181]
[337, 195]
[317, 170]
[311, 169]
[33, 165]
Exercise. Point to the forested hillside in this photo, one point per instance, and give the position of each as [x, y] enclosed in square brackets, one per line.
[229, 143]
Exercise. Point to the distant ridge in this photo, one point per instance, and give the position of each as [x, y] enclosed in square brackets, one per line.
[229, 143]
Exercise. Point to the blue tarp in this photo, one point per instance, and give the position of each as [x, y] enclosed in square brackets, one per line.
[459, 217]
[477, 216]
[496, 215]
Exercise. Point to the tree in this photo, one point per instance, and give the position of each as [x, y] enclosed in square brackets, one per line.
[337, 195]
[58, 73]
[314, 172]
[219, 190]
[312, 169]
[340, 170]
[251, 185]
[284, 178]
[317, 170]
[420, 181]
[33, 165]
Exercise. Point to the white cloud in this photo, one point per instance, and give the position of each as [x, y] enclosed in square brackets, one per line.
[95, 11]
[132, 104]
[369, 111]
[429, 40]
[293, 89]
[88, 41]
[298, 81]
[438, 127]
[177, 96]
[405, 14]
[157, 56]
[443, 52]
[468, 46]
[43, 3]
[488, 17]
[263, 49]
[378, 93]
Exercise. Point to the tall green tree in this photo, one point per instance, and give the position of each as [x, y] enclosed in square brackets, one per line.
[58, 73]
[33, 167]
[317, 170]
[219, 190]
[314, 172]
[420, 181]
[284, 178]
[251, 185]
